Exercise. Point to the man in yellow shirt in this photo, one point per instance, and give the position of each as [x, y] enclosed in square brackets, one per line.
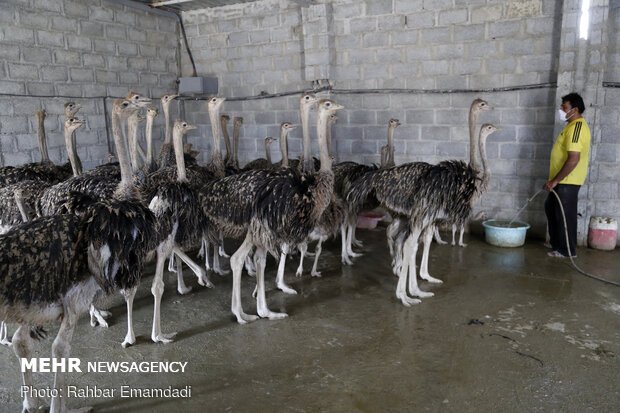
[568, 168]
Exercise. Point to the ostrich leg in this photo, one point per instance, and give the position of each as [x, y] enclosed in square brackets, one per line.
[351, 240]
[438, 239]
[401, 288]
[461, 243]
[427, 238]
[4, 332]
[221, 247]
[280, 277]
[260, 259]
[317, 251]
[22, 346]
[181, 287]
[98, 316]
[453, 234]
[236, 264]
[410, 252]
[216, 262]
[303, 247]
[129, 295]
[157, 289]
[200, 273]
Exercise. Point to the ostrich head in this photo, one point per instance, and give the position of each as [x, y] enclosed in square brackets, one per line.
[166, 99]
[286, 126]
[485, 131]
[124, 107]
[182, 126]
[269, 140]
[71, 108]
[307, 100]
[72, 124]
[394, 123]
[151, 112]
[238, 121]
[332, 119]
[137, 99]
[225, 118]
[111, 157]
[215, 102]
[480, 105]
[40, 114]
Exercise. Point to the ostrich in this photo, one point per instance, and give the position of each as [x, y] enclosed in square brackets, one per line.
[477, 106]
[280, 209]
[285, 129]
[17, 201]
[417, 194]
[151, 114]
[165, 153]
[176, 207]
[38, 171]
[53, 267]
[346, 173]
[237, 123]
[229, 159]
[262, 163]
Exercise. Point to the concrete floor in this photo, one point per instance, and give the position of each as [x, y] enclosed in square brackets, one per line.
[509, 330]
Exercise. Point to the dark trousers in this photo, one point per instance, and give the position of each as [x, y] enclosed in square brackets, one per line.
[568, 194]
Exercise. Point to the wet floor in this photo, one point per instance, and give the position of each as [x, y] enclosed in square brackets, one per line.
[508, 330]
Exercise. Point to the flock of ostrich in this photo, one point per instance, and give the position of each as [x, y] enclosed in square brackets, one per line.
[70, 238]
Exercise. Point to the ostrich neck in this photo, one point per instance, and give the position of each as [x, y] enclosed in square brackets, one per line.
[45, 157]
[168, 136]
[132, 132]
[268, 152]
[216, 155]
[121, 150]
[321, 128]
[328, 137]
[284, 147]
[473, 139]
[177, 140]
[308, 165]
[150, 150]
[486, 171]
[224, 127]
[389, 156]
[235, 152]
[73, 157]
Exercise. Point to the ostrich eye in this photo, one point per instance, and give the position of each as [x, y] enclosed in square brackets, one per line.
[125, 104]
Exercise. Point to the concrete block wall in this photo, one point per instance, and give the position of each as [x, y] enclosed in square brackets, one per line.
[84, 51]
[376, 44]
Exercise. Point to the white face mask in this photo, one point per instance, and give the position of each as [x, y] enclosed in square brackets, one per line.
[563, 115]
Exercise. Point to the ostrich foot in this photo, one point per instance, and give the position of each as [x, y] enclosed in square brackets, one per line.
[286, 289]
[440, 241]
[408, 301]
[222, 252]
[243, 318]
[266, 313]
[354, 254]
[421, 294]
[5, 342]
[316, 274]
[462, 244]
[310, 254]
[163, 338]
[220, 271]
[204, 280]
[346, 260]
[357, 243]
[430, 279]
[98, 317]
[183, 289]
[130, 340]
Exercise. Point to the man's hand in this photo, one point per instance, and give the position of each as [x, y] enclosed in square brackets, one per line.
[549, 185]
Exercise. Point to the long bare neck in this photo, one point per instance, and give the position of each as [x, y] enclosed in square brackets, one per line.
[284, 147]
[486, 174]
[216, 154]
[45, 157]
[71, 151]
[121, 151]
[389, 156]
[150, 150]
[168, 136]
[177, 139]
[132, 132]
[322, 124]
[328, 136]
[268, 152]
[224, 126]
[308, 165]
[236, 129]
[473, 138]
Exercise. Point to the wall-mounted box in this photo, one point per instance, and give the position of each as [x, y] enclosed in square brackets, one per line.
[198, 86]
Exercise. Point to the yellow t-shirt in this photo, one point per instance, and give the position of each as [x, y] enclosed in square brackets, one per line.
[574, 138]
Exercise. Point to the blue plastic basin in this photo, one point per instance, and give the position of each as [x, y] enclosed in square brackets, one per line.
[503, 236]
